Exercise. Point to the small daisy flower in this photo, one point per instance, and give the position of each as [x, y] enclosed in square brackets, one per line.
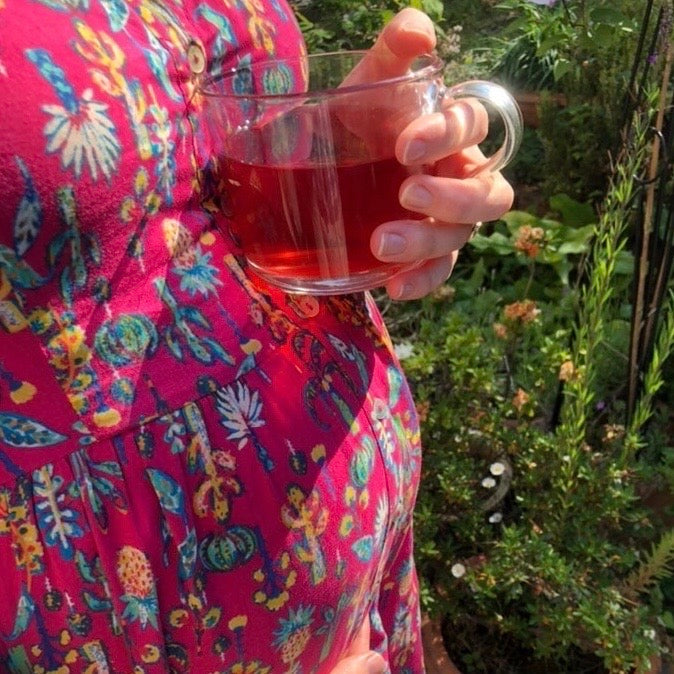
[497, 468]
[458, 570]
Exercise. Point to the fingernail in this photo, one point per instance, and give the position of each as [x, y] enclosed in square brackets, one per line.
[391, 243]
[416, 196]
[414, 151]
[404, 291]
[415, 27]
[375, 664]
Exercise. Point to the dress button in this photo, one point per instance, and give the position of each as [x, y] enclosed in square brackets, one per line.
[196, 57]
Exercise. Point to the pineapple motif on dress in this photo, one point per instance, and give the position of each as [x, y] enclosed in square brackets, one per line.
[293, 635]
[140, 594]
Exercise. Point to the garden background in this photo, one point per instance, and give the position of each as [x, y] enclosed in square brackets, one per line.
[542, 369]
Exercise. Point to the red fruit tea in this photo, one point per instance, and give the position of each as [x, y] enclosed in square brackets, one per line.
[314, 222]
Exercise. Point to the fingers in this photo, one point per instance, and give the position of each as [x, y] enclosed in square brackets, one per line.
[462, 124]
[409, 34]
[361, 644]
[359, 658]
[485, 197]
[370, 663]
[418, 282]
[414, 240]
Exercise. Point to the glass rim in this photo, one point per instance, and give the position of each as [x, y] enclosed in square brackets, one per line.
[433, 65]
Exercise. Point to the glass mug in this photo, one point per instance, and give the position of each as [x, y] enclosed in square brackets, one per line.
[307, 166]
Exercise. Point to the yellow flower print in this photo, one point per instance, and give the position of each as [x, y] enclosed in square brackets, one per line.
[237, 622]
[150, 654]
[207, 239]
[284, 578]
[28, 550]
[254, 667]
[19, 391]
[69, 351]
[71, 656]
[23, 393]
[178, 617]
[346, 526]
[107, 417]
[9, 514]
[40, 320]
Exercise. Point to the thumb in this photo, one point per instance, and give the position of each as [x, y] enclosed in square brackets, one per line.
[407, 35]
[366, 663]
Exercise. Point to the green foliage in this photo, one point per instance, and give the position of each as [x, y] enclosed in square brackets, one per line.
[352, 24]
[533, 539]
[582, 50]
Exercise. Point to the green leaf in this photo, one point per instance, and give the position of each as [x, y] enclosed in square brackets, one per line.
[607, 16]
[516, 219]
[561, 68]
[575, 240]
[572, 212]
[497, 243]
[624, 264]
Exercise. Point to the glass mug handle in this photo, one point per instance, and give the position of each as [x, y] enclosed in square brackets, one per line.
[499, 98]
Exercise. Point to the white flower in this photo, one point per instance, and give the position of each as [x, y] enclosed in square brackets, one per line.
[495, 518]
[458, 570]
[497, 468]
[489, 483]
[403, 350]
[85, 136]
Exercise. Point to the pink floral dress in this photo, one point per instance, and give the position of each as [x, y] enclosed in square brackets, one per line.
[198, 472]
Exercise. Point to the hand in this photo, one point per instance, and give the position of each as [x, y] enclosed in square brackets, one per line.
[455, 195]
[360, 659]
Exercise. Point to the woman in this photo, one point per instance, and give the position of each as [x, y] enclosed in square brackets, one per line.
[198, 472]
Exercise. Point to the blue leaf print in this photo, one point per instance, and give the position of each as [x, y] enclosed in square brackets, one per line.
[363, 548]
[188, 555]
[99, 489]
[169, 492]
[18, 271]
[217, 351]
[362, 463]
[118, 13]
[20, 431]
[96, 603]
[224, 29]
[55, 76]
[57, 524]
[79, 129]
[158, 60]
[28, 218]
[279, 9]
[395, 380]
[25, 609]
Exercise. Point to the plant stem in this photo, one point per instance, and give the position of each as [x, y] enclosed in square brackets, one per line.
[638, 338]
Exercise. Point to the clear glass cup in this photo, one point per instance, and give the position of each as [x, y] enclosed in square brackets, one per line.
[307, 161]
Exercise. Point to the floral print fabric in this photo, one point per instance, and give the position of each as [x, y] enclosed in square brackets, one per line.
[198, 472]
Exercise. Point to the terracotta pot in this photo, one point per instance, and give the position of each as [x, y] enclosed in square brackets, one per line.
[435, 655]
[530, 101]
